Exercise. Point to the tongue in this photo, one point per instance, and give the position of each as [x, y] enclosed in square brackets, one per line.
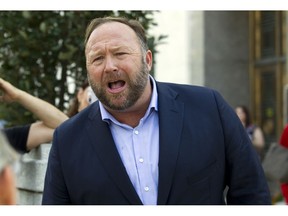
[116, 85]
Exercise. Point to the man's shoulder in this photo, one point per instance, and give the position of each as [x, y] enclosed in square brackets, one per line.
[184, 88]
[80, 118]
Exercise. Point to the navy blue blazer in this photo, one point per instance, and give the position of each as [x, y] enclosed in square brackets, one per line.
[203, 148]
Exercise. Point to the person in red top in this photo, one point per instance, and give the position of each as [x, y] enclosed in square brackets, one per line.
[284, 142]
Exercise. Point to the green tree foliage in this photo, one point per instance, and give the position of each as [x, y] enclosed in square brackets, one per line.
[42, 52]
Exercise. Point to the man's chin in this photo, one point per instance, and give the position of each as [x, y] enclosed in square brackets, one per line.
[117, 106]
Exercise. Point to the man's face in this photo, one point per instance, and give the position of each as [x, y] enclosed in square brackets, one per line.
[117, 68]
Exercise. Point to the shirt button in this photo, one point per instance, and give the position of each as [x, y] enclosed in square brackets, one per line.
[136, 132]
[141, 160]
[146, 189]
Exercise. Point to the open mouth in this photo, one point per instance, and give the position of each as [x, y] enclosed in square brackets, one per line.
[116, 86]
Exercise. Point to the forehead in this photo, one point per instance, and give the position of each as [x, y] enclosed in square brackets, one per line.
[112, 32]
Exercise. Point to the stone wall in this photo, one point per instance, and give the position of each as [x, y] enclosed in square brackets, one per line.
[30, 175]
[226, 55]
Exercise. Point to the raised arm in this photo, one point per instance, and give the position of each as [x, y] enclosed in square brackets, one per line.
[46, 112]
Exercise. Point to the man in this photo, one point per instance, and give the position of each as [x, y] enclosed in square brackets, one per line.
[7, 179]
[146, 142]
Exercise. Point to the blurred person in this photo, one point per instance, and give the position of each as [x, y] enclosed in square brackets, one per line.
[26, 137]
[284, 142]
[254, 132]
[7, 179]
[148, 142]
[84, 97]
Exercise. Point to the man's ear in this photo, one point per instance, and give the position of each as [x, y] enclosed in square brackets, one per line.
[149, 59]
[7, 187]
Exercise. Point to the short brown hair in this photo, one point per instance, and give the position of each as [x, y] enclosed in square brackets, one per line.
[133, 24]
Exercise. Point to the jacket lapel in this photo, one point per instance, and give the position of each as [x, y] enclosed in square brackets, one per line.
[170, 127]
[104, 146]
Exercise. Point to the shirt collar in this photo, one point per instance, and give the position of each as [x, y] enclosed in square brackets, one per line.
[106, 116]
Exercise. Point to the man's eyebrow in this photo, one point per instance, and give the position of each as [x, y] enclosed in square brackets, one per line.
[121, 48]
[95, 50]
[98, 50]
[92, 53]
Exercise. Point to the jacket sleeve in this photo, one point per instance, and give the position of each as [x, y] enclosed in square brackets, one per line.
[17, 137]
[244, 174]
[55, 191]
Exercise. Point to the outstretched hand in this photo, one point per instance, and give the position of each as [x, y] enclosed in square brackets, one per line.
[9, 93]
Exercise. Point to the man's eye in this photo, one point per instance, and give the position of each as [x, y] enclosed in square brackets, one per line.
[120, 53]
[98, 58]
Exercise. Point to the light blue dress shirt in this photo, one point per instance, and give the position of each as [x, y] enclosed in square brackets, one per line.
[139, 148]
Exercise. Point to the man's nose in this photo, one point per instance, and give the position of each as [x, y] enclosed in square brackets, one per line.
[110, 64]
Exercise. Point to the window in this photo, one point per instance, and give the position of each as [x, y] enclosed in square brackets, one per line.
[267, 64]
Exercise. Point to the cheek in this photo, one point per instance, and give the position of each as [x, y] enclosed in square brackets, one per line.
[94, 73]
[131, 68]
